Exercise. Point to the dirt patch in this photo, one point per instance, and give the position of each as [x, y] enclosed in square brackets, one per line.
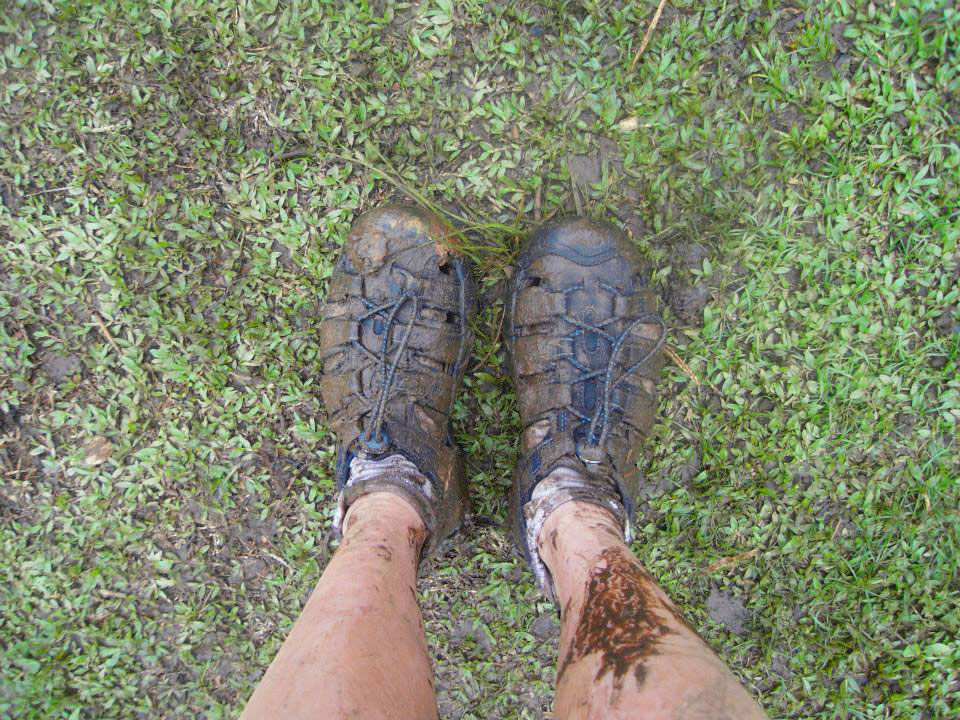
[59, 367]
[585, 170]
[688, 302]
[687, 294]
[10, 198]
[19, 468]
[948, 323]
[729, 611]
[474, 635]
[781, 666]
[588, 171]
[545, 626]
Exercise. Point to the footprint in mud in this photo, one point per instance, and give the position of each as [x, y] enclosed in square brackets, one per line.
[687, 296]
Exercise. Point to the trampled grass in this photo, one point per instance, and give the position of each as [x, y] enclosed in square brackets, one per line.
[176, 180]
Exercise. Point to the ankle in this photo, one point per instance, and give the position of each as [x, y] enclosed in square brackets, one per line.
[573, 536]
[578, 528]
[384, 517]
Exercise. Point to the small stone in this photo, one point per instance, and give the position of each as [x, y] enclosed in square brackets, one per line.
[98, 451]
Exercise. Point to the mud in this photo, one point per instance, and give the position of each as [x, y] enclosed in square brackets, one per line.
[688, 302]
[384, 553]
[729, 611]
[545, 626]
[622, 620]
[948, 323]
[59, 367]
[416, 537]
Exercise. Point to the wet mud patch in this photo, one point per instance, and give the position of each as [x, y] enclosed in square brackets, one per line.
[729, 611]
[58, 367]
[687, 294]
[620, 621]
[598, 177]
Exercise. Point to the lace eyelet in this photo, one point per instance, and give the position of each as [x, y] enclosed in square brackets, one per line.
[375, 447]
[590, 454]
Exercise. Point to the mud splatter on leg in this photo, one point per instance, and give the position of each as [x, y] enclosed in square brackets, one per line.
[620, 619]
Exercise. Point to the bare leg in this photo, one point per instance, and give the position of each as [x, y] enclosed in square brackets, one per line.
[358, 650]
[625, 650]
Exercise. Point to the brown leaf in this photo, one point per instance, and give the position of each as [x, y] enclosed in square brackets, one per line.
[729, 561]
[98, 451]
[443, 251]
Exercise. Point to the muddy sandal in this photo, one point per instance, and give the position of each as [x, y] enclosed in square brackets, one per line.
[585, 344]
[394, 339]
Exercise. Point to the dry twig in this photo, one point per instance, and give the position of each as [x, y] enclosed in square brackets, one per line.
[106, 333]
[681, 364]
[729, 561]
[646, 36]
[574, 187]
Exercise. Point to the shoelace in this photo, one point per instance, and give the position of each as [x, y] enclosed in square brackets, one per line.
[375, 441]
[592, 451]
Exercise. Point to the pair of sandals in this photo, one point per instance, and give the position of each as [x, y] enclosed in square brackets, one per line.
[585, 345]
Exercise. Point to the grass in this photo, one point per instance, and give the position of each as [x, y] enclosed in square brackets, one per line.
[176, 180]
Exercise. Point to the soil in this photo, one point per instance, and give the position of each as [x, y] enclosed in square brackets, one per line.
[586, 170]
[948, 323]
[58, 367]
[780, 666]
[545, 626]
[729, 611]
[688, 302]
